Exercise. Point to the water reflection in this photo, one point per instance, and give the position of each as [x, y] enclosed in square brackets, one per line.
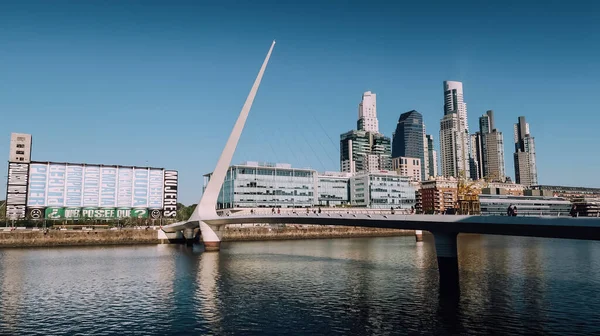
[346, 286]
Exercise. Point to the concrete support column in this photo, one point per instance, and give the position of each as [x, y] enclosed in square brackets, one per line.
[190, 236]
[447, 257]
[418, 235]
[211, 236]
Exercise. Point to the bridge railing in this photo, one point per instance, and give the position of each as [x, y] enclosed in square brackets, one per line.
[368, 212]
[312, 212]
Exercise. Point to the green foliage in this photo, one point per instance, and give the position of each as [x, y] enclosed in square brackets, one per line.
[184, 212]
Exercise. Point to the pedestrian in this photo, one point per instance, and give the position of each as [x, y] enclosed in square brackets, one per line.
[273, 211]
[514, 211]
[392, 210]
[278, 211]
[319, 209]
[509, 211]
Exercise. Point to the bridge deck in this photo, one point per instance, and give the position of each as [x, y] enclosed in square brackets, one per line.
[551, 227]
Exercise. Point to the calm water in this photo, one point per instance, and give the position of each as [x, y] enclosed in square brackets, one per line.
[382, 286]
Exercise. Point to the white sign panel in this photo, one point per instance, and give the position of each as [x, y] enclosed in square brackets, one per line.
[140, 188]
[125, 190]
[16, 190]
[91, 186]
[38, 176]
[56, 184]
[74, 186]
[155, 189]
[108, 188]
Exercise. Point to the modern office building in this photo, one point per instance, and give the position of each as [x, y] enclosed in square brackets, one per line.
[454, 132]
[406, 166]
[20, 148]
[524, 156]
[432, 157]
[256, 185]
[367, 113]
[382, 190]
[365, 149]
[267, 185]
[332, 189]
[409, 139]
[497, 205]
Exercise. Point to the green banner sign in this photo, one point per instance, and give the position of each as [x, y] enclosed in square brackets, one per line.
[95, 213]
[55, 213]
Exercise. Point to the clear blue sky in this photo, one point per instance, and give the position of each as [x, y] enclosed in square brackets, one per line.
[161, 82]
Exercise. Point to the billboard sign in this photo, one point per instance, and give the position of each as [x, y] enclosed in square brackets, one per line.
[55, 195]
[155, 189]
[108, 187]
[125, 189]
[140, 187]
[91, 186]
[52, 190]
[38, 179]
[16, 190]
[170, 194]
[74, 186]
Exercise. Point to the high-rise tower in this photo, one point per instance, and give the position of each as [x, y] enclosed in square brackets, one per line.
[432, 156]
[525, 166]
[408, 140]
[367, 113]
[454, 132]
[490, 149]
[365, 149]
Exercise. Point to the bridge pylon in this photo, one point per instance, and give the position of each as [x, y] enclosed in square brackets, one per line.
[206, 209]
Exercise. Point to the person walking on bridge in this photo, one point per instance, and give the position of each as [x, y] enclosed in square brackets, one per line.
[509, 211]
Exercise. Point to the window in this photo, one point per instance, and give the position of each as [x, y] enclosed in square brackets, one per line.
[19, 152]
[20, 146]
[20, 138]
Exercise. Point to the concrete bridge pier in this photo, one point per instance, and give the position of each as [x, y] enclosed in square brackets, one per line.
[211, 236]
[447, 257]
[418, 235]
[190, 235]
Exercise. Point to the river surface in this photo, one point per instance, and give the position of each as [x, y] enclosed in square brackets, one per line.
[362, 286]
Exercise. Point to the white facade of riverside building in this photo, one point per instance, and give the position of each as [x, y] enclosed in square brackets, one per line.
[382, 190]
[279, 185]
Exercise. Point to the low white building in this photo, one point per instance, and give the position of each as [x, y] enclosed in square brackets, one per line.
[332, 189]
[266, 185]
[278, 185]
[384, 189]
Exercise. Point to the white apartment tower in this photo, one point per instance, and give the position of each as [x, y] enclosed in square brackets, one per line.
[454, 132]
[20, 148]
[367, 113]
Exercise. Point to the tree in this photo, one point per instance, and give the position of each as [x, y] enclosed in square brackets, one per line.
[184, 212]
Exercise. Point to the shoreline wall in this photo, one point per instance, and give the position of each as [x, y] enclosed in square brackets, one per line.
[29, 238]
[288, 233]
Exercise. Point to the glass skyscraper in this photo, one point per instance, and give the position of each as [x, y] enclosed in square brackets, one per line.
[408, 138]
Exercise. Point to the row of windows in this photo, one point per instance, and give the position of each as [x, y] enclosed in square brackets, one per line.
[276, 192]
[271, 172]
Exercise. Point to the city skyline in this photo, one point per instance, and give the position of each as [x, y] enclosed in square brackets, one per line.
[163, 93]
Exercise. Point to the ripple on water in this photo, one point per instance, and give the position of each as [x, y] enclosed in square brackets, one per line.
[383, 286]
